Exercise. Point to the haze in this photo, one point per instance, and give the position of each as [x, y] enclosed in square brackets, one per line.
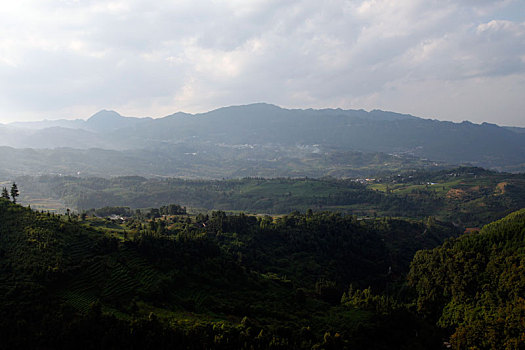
[450, 60]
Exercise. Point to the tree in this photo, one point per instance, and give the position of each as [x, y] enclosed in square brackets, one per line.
[14, 192]
[5, 194]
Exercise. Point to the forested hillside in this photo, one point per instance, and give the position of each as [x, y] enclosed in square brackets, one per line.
[474, 286]
[205, 282]
[322, 280]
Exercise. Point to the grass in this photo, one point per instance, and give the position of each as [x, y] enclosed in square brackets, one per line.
[46, 204]
[276, 188]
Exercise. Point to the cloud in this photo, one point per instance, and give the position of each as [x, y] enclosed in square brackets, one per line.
[154, 58]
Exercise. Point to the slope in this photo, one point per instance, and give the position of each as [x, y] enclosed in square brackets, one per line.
[474, 286]
[219, 285]
[264, 125]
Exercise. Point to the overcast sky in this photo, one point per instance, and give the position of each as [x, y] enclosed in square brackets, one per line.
[445, 59]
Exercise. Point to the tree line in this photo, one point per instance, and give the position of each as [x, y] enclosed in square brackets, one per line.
[14, 193]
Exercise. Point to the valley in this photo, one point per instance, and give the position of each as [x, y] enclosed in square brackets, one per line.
[262, 175]
[467, 196]
[211, 232]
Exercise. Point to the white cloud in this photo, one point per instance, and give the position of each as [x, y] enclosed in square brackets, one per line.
[154, 58]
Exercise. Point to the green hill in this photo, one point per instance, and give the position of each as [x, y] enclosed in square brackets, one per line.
[474, 286]
[203, 282]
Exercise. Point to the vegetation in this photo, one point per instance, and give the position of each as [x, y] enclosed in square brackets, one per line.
[474, 286]
[168, 277]
[205, 161]
[204, 281]
[5, 194]
[14, 192]
[468, 196]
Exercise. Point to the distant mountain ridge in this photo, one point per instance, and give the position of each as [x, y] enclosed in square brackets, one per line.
[101, 121]
[486, 145]
[105, 120]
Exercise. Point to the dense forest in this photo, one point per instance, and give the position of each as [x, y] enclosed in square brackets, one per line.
[474, 285]
[203, 281]
[164, 278]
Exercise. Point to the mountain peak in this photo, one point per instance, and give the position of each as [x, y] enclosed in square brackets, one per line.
[105, 120]
[104, 115]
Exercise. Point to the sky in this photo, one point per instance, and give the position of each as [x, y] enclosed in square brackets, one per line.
[442, 59]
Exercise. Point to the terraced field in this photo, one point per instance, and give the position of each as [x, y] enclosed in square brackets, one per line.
[112, 278]
[146, 277]
[80, 301]
[80, 249]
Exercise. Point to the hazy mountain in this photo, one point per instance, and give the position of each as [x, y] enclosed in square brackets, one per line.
[101, 121]
[42, 124]
[262, 124]
[53, 137]
[63, 137]
[375, 131]
[105, 121]
[515, 129]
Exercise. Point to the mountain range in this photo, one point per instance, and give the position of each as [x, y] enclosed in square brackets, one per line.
[252, 128]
